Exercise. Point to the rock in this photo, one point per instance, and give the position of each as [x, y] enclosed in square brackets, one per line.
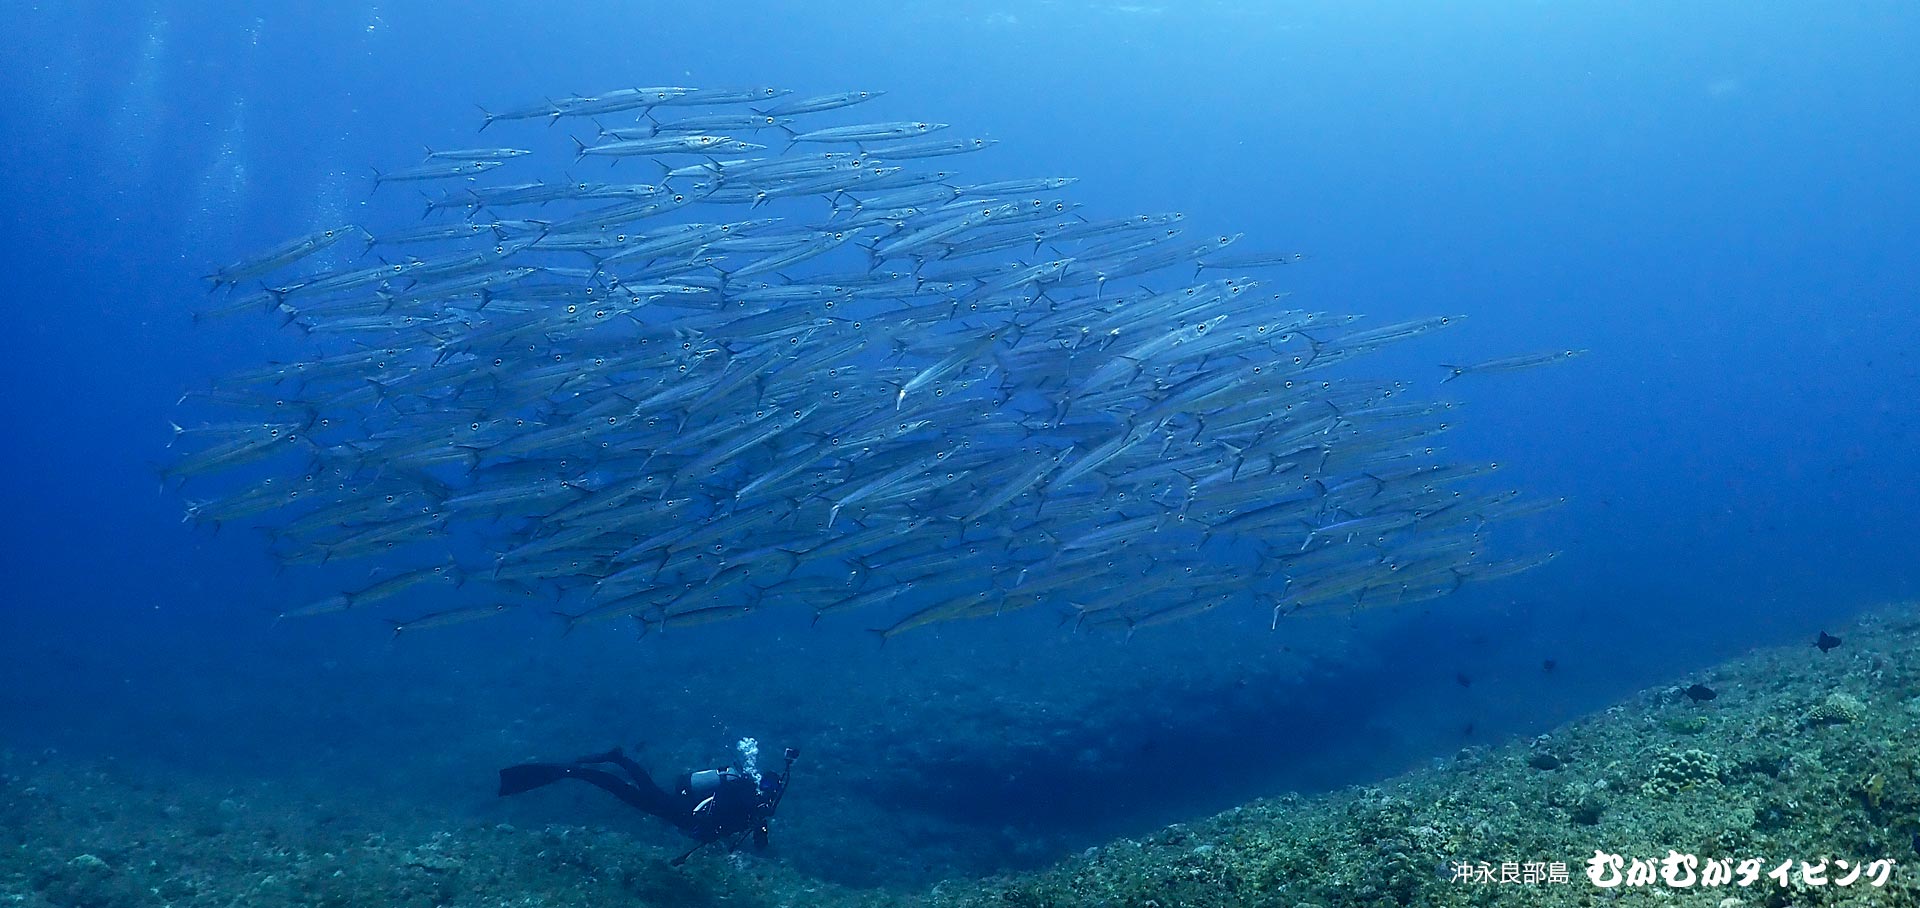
[87, 862]
[1839, 709]
[1677, 771]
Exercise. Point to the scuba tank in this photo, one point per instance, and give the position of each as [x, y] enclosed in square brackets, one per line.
[707, 781]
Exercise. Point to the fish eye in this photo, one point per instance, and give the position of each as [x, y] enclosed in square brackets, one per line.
[497, 361]
[572, 308]
[836, 395]
[619, 237]
[1446, 319]
[475, 427]
[770, 121]
[679, 197]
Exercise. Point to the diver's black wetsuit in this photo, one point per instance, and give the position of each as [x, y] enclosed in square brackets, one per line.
[735, 805]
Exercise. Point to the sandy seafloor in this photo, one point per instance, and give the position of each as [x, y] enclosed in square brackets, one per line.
[1802, 755]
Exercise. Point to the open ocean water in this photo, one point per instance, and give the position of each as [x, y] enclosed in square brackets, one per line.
[1712, 204]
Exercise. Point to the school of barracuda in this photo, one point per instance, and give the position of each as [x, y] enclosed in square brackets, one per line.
[801, 369]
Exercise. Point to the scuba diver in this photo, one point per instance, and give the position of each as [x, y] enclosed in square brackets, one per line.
[710, 805]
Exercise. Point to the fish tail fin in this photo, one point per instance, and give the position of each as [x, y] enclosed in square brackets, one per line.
[572, 620]
[579, 148]
[879, 633]
[1455, 371]
[488, 119]
[378, 178]
[1312, 531]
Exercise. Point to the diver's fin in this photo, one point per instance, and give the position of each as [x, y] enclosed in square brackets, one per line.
[529, 776]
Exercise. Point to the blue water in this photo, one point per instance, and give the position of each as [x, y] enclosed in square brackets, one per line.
[1716, 199]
